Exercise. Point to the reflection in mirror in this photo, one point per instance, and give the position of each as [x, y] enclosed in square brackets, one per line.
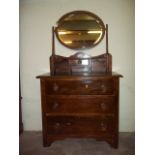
[80, 29]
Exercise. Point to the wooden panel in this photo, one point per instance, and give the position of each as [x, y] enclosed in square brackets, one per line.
[80, 104]
[73, 64]
[81, 87]
[76, 125]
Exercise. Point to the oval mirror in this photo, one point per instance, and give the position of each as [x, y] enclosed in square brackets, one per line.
[80, 30]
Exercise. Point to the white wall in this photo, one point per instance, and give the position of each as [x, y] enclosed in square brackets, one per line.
[36, 19]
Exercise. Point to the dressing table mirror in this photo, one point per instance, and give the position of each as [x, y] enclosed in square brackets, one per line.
[80, 30]
[80, 95]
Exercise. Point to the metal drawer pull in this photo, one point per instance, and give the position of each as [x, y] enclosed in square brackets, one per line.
[103, 106]
[68, 123]
[55, 105]
[103, 88]
[55, 87]
[103, 127]
[86, 86]
[57, 124]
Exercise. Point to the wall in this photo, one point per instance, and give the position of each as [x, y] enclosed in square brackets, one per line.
[36, 19]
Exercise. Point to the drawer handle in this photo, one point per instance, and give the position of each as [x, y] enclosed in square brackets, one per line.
[55, 87]
[68, 123]
[55, 105]
[57, 124]
[103, 127]
[103, 106]
[103, 88]
[86, 86]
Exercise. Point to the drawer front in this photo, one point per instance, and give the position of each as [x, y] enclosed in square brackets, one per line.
[80, 87]
[74, 125]
[82, 104]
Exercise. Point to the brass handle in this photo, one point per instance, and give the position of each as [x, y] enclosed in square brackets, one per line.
[86, 86]
[103, 127]
[103, 106]
[68, 123]
[55, 105]
[55, 87]
[57, 124]
[103, 88]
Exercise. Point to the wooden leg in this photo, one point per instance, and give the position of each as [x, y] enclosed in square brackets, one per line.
[46, 144]
[114, 144]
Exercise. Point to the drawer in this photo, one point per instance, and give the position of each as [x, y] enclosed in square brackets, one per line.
[80, 87]
[80, 104]
[77, 125]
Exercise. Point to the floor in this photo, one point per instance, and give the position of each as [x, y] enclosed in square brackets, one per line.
[31, 144]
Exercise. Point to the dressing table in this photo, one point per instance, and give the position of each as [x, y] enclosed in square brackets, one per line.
[80, 95]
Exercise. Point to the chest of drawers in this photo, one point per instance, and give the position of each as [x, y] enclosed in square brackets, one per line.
[79, 106]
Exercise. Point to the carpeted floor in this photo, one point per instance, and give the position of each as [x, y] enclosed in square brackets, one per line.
[31, 144]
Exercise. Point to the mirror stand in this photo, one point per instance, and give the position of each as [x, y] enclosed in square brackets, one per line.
[80, 63]
[80, 95]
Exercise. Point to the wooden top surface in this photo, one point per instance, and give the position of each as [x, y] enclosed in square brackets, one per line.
[80, 75]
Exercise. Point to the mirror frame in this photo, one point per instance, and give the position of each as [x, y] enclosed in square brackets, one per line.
[98, 20]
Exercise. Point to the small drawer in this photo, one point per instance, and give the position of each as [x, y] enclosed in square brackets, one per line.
[80, 104]
[80, 87]
[77, 125]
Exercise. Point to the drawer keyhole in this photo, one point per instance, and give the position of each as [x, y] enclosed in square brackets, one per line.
[79, 62]
[103, 106]
[103, 88]
[103, 127]
[55, 87]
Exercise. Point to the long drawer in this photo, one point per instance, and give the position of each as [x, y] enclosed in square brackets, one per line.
[77, 125]
[80, 104]
[80, 87]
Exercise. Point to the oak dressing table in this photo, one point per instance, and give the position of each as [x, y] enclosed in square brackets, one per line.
[80, 95]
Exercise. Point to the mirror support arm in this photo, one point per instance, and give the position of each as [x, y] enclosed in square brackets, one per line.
[53, 42]
[52, 57]
[107, 50]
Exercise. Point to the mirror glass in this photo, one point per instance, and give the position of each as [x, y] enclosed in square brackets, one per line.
[80, 30]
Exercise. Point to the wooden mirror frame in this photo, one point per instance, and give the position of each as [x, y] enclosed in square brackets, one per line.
[75, 64]
[98, 20]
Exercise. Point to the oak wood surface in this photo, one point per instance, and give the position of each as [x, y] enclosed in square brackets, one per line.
[77, 106]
